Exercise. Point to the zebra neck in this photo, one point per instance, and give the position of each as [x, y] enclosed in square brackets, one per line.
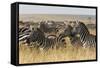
[61, 36]
[84, 35]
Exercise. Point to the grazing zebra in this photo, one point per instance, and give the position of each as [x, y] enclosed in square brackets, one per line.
[42, 41]
[86, 38]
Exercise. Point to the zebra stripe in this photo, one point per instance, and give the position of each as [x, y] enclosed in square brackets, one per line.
[86, 38]
[23, 37]
[24, 32]
[43, 41]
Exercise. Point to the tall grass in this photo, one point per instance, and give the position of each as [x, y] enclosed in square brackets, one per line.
[70, 53]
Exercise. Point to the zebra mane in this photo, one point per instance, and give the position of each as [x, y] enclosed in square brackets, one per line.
[81, 24]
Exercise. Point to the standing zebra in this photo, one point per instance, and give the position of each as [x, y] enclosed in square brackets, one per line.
[42, 41]
[86, 38]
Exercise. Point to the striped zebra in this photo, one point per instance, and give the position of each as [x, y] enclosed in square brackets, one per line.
[42, 41]
[74, 40]
[48, 27]
[87, 39]
[26, 28]
[24, 32]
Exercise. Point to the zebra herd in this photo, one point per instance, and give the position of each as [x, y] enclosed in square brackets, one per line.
[40, 37]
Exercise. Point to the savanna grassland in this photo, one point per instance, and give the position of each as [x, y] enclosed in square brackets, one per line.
[70, 53]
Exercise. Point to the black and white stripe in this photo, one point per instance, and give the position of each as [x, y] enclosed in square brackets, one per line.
[24, 32]
[86, 38]
[44, 42]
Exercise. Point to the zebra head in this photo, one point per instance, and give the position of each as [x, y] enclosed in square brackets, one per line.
[79, 27]
[67, 31]
[76, 27]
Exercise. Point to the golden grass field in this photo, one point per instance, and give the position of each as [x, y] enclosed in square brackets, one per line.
[70, 53]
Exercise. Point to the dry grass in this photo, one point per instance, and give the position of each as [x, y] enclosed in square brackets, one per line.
[92, 31]
[70, 53]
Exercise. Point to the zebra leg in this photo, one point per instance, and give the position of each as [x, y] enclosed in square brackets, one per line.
[84, 45]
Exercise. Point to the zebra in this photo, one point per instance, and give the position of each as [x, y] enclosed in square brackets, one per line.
[24, 32]
[87, 39]
[48, 27]
[26, 28]
[74, 40]
[42, 41]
